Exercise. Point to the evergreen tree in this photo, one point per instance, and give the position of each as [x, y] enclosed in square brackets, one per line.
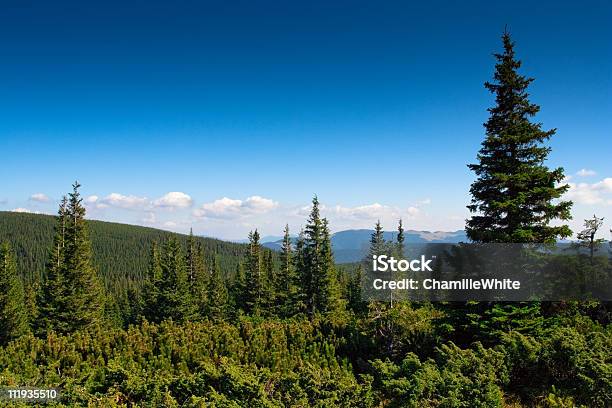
[174, 297]
[400, 240]
[13, 314]
[201, 278]
[254, 286]
[302, 276]
[74, 296]
[514, 193]
[150, 290]
[355, 292]
[286, 287]
[377, 241]
[217, 294]
[86, 296]
[588, 234]
[317, 274]
[269, 284]
[239, 288]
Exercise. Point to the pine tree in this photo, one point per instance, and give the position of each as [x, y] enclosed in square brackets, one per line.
[355, 292]
[174, 297]
[332, 302]
[377, 241]
[13, 314]
[302, 275]
[217, 294]
[239, 288]
[197, 274]
[150, 290]
[73, 296]
[587, 235]
[317, 274]
[254, 277]
[86, 296]
[269, 283]
[400, 240]
[514, 193]
[286, 289]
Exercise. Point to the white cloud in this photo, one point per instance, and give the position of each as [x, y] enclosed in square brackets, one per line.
[92, 199]
[586, 173]
[227, 208]
[170, 224]
[259, 204]
[363, 212]
[590, 193]
[122, 201]
[174, 199]
[40, 197]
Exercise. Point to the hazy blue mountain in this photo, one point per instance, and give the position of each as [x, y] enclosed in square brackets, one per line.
[263, 240]
[352, 245]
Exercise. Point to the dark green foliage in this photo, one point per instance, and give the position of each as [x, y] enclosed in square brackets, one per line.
[286, 284]
[249, 363]
[13, 313]
[174, 299]
[354, 292]
[515, 194]
[449, 381]
[255, 279]
[571, 361]
[73, 295]
[217, 296]
[315, 266]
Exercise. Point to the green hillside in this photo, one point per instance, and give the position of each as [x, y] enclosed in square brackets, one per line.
[121, 251]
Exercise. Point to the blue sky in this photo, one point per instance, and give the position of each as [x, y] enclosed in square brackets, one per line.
[247, 108]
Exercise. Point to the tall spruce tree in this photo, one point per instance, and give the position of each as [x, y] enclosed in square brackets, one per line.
[286, 289]
[400, 246]
[197, 273]
[174, 299]
[514, 195]
[217, 296]
[13, 314]
[238, 289]
[86, 296]
[377, 241]
[73, 295]
[254, 285]
[317, 274]
[151, 286]
[302, 278]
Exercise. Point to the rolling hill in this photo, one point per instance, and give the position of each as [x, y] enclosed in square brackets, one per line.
[121, 251]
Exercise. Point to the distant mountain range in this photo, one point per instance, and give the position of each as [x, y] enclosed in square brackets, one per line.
[353, 245]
